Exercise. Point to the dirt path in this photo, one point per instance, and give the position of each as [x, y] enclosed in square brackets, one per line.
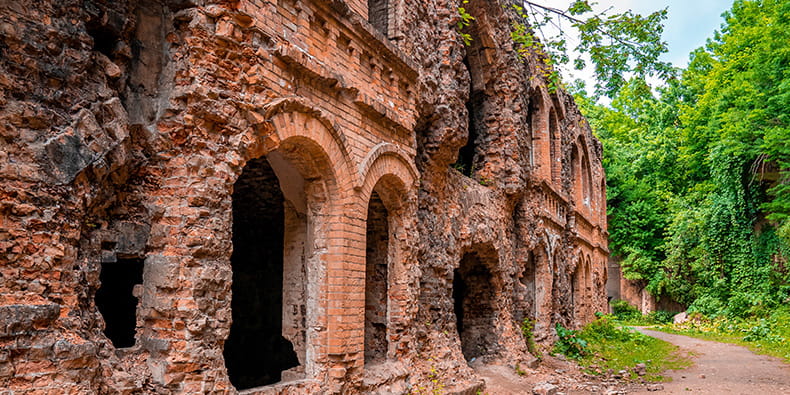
[718, 369]
[723, 369]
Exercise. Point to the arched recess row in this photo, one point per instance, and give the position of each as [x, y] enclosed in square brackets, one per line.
[581, 290]
[285, 202]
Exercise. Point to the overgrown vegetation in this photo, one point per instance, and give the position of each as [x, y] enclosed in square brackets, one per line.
[527, 331]
[602, 347]
[698, 173]
[616, 45]
[569, 343]
[465, 20]
[626, 314]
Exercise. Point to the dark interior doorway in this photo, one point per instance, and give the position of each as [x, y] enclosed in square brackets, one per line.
[116, 301]
[376, 283]
[256, 353]
[473, 295]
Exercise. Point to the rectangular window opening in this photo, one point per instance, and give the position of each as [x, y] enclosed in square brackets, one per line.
[116, 301]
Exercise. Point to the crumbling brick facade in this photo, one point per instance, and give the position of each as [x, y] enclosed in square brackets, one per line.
[283, 196]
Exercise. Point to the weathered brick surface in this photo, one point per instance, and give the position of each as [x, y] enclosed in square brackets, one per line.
[125, 124]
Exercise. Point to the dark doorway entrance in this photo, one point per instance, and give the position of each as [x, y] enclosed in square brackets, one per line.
[256, 353]
[473, 293]
[376, 281]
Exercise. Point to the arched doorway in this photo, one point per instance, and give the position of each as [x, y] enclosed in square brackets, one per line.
[256, 352]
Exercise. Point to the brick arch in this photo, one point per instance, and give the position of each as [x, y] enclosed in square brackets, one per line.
[288, 118]
[478, 294]
[388, 180]
[388, 172]
[306, 137]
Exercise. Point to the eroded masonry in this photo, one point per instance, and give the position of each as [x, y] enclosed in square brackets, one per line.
[284, 196]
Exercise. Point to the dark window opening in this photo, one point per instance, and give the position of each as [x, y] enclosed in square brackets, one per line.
[376, 284]
[586, 180]
[575, 181]
[256, 353]
[474, 109]
[116, 302]
[473, 295]
[378, 15]
[104, 39]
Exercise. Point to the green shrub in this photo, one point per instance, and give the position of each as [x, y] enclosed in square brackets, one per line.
[623, 311]
[603, 329]
[707, 305]
[662, 317]
[569, 343]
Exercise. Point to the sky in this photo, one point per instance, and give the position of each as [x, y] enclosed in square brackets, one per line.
[688, 25]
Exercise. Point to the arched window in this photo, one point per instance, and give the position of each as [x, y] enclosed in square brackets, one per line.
[555, 156]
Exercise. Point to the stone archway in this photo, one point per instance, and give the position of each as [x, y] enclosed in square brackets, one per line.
[256, 352]
[285, 204]
[387, 181]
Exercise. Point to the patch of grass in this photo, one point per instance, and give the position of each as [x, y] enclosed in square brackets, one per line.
[615, 348]
[763, 335]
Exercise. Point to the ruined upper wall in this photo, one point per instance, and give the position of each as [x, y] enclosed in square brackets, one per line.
[124, 127]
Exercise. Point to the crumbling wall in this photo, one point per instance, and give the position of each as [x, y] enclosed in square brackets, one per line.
[126, 126]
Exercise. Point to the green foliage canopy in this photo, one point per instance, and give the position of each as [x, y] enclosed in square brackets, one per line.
[697, 175]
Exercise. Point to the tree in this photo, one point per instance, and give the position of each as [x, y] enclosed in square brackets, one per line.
[698, 174]
[619, 45]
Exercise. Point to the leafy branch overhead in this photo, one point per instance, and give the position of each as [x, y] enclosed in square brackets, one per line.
[619, 46]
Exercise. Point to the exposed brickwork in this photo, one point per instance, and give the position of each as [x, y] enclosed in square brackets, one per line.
[125, 127]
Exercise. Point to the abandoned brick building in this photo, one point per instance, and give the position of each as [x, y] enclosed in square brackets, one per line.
[284, 196]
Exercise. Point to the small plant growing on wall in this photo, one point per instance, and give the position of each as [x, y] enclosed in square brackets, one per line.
[466, 20]
[527, 331]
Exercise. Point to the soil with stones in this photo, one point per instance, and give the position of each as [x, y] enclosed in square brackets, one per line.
[718, 368]
[555, 376]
